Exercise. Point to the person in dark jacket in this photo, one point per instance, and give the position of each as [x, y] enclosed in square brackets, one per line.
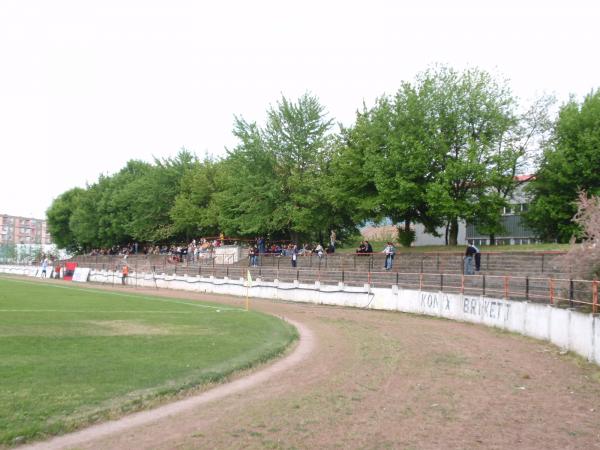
[469, 259]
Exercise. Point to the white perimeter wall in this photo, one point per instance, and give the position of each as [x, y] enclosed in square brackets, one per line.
[570, 330]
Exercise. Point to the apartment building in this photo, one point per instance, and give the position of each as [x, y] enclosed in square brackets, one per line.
[23, 230]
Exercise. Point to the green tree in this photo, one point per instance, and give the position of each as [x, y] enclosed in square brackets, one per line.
[250, 192]
[570, 163]
[384, 168]
[59, 218]
[274, 181]
[152, 196]
[192, 213]
[469, 115]
[432, 153]
[133, 204]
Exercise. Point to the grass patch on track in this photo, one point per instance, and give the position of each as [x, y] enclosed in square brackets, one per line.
[71, 356]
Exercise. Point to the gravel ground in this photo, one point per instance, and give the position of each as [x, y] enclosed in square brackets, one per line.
[372, 379]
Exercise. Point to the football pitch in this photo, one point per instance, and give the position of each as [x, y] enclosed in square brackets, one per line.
[70, 356]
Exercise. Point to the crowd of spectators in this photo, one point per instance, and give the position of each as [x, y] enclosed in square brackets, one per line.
[203, 248]
[128, 249]
[196, 249]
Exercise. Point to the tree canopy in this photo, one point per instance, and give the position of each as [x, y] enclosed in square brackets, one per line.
[444, 148]
[570, 163]
[433, 152]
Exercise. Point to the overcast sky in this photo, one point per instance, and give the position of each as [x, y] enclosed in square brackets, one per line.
[86, 86]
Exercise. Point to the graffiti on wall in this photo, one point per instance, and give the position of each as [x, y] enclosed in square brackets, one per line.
[486, 308]
[430, 300]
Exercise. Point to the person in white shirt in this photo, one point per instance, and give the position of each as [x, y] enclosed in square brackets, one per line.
[389, 252]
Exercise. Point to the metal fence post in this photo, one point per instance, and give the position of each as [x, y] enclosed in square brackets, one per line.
[571, 292]
[543, 262]
[483, 285]
[595, 296]
[506, 287]
[551, 291]
[527, 287]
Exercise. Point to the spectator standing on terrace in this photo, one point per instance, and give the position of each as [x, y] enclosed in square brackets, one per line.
[261, 244]
[477, 259]
[57, 270]
[319, 250]
[368, 247]
[44, 267]
[252, 253]
[124, 274]
[332, 237]
[469, 256]
[389, 252]
[294, 253]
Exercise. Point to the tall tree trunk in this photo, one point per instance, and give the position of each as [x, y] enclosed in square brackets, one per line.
[453, 232]
[492, 239]
[446, 233]
[405, 236]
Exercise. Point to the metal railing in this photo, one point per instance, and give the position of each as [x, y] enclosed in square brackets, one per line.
[560, 292]
[556, 291]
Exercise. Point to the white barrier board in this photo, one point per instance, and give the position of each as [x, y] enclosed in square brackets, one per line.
[81, 274]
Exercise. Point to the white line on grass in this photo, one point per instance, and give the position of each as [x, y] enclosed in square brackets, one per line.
[138, 311]
[120, 294]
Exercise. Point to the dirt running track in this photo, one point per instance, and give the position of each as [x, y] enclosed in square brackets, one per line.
[389, 380]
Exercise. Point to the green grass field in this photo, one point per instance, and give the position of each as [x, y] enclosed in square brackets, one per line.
[70, 356]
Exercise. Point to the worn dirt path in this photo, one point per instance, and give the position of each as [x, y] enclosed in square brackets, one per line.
[388, 380]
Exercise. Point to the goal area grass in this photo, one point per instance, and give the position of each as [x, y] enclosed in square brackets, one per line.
[72, 356]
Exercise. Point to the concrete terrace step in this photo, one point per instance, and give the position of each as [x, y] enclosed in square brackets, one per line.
[515, 263]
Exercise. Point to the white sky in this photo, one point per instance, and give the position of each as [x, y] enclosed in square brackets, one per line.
[87, 85]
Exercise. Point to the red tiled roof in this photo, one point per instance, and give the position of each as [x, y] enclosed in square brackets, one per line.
[522, 178]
